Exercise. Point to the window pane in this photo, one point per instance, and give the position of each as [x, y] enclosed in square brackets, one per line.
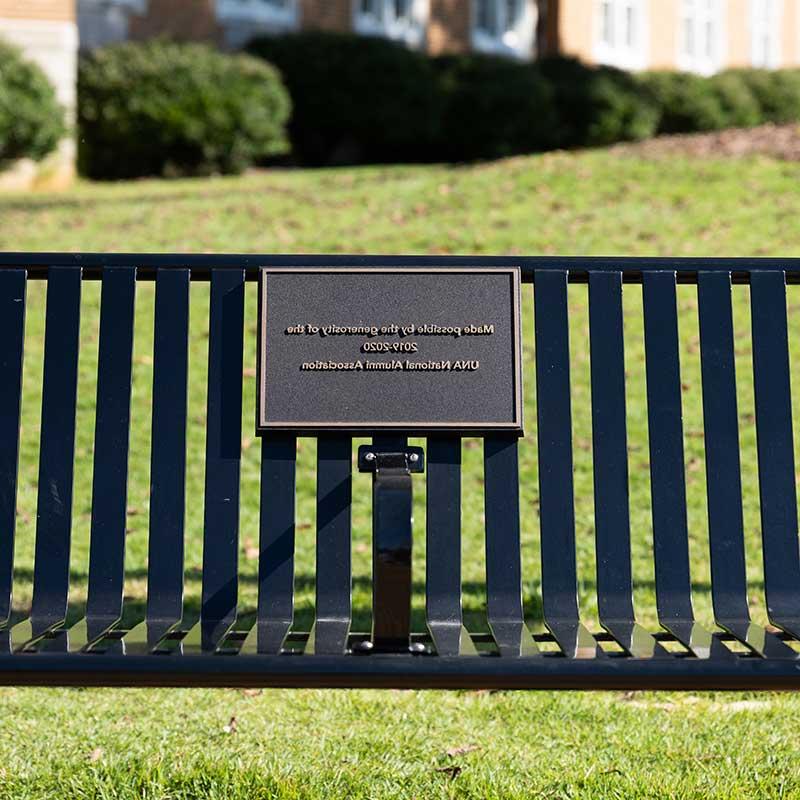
[513, 14]
[709, 39]
[401, 9]
[630, 26]
[486, 17]
[607, 22]
[688, 36]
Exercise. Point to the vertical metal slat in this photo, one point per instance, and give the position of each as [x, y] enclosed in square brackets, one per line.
[57, 449]
[223, 457]
[776, 465]
[557, 512]
[443, 547]
[610, 454]
[168, 453]
[667, 477]
[334, 574]
[12, 341]
[277, 540]
[112, 425]
[503, 556]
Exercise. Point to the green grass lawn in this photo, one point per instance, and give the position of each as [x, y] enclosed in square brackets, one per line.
[309, 744]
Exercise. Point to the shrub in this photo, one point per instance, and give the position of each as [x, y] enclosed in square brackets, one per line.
[686, 102]
[492, 107]
[161, 108]
[356, 99]
[620, 112]
[596, 105]
[740, 108]
[31, 120]
[777, 92]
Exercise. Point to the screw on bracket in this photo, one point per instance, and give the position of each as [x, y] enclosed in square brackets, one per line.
[372, 459]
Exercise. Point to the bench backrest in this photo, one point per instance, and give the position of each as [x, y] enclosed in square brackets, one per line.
[552, 429]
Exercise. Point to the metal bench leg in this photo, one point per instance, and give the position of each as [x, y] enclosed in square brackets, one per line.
[391, 465]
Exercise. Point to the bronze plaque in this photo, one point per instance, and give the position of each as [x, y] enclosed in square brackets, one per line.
[401, 349]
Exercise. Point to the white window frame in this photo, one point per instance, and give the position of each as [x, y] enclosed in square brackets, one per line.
[517, 40]
[698, 15]
[614, 50]
[135, 6]
[282, 16]
[409, 29]
[765, 25]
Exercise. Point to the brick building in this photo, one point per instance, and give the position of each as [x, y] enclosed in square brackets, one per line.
[698, 35]
[702, 36]
[47, 33]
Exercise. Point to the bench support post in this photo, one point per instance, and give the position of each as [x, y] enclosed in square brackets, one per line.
[391, 468]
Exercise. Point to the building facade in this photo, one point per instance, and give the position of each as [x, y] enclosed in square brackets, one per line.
[508, 27]
[701, 36]
[47, 33]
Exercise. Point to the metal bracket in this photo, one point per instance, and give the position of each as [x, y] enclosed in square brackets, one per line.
[391, 469]
[372, 458]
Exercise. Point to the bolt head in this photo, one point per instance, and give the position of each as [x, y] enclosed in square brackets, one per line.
[369, 457]
[414, 457]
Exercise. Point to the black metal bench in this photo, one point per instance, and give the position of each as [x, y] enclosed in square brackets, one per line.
[164, 649]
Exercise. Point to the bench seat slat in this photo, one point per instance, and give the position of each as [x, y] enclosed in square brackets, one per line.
[723, 471]
[199, 640]
[58, 637]
[146, 637]
[12, 340]
[223, 457]
[776, 466]
[277, 541]
[610, 454]
[56, 449]
[334, 571]
[51, 639]
[112, 424]
[168, 453]
[667, 476]
[557, 511]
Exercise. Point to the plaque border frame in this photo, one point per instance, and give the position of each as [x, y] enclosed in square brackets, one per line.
[463, 427]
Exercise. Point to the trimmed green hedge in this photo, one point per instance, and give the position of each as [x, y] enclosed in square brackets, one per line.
[776, 92]
[356, 99]
[363, 99]
[686, 102]
[491, 107]
[162, 108]
[31, 120]
[596, 105]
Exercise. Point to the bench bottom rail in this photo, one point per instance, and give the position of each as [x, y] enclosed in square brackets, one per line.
[396, 671]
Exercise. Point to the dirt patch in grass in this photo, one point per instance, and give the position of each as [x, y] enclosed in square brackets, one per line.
[776, 141]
